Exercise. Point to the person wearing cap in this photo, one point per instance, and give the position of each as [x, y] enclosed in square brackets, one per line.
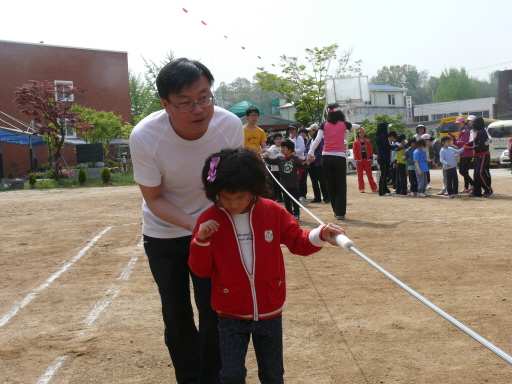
[481, 174]
[465, 157]
[334, 160]
[420, 131]
[315, 169]
[363, 155]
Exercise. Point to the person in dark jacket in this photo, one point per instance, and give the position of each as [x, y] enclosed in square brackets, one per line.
[384, 148]
[482, 174]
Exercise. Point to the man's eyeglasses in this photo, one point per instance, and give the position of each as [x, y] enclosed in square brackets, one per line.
[189, 106]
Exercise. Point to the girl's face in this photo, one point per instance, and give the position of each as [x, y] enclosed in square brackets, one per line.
[235, 203]
[361, 134]
[277, 141]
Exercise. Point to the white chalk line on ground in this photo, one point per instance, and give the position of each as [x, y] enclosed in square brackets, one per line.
[15, 309]
[51, 370]
[110, 294]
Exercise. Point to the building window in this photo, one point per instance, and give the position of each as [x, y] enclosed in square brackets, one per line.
[69, 131]
[419, 119]
[60, 87]
[510, 91]
[391, 99]
[485, 114]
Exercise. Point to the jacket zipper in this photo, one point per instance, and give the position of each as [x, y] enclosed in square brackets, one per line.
[251, 277]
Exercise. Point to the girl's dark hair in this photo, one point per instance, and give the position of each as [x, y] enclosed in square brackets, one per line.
[277, 134]
[382, 129]
[239, 170]
[479, 123]
[334, 117]
[179, 74]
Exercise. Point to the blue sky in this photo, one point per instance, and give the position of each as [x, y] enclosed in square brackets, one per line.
[432, 35]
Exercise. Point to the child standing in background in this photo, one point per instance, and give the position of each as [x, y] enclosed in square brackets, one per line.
[421, 167]
[275, 152]
[448, 158]
[237, 243]
[288, 165]
[401, 167]
[409, 158]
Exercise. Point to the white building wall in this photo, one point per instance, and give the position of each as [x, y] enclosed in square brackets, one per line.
[436, 111]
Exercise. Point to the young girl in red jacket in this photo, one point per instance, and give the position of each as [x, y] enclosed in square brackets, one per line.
[237, 242]
[363, 155]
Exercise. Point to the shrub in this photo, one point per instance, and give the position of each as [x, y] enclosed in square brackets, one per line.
[105, 175]
[82, 176]
[32, 180]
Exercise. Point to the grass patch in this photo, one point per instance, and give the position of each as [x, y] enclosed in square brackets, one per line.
[116, 179]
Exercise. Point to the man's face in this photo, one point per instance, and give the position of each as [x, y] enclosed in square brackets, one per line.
[253, 117]
[194, 124]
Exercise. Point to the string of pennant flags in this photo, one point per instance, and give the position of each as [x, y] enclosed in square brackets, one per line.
[243, 47]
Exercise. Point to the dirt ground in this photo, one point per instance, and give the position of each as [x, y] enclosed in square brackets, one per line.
[78, 303]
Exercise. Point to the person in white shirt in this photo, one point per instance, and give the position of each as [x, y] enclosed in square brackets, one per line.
[169, 149]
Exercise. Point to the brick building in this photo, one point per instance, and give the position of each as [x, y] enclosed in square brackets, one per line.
[103, 74]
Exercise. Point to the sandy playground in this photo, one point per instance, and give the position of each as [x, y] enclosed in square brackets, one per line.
[78, 303]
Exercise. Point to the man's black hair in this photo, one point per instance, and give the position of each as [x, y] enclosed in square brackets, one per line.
[249, 110]
[178, 74]
[392, 133]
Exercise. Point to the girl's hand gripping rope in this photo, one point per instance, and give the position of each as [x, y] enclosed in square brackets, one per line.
[328, 233]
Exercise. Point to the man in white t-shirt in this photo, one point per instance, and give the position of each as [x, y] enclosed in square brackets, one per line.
[168, 149]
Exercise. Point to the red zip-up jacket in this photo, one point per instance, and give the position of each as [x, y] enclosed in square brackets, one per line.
[236, 293]
[356, 149]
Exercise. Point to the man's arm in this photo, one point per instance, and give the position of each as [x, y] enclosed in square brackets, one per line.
[165, 209]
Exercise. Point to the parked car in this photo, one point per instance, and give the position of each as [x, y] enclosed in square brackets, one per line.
[504, 159]
[351, 163]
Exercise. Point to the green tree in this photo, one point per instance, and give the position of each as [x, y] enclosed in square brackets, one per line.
[304, 85]
[241, 89]
[405, 76]
[141, 96]
[371, 126]
[489, 88]
[455, 84]
[143, 92]
[103, 126]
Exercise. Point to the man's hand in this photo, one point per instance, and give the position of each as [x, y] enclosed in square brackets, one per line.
[311, 158]
[207, 229]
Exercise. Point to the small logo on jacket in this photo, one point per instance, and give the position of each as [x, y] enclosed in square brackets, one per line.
[269, 236]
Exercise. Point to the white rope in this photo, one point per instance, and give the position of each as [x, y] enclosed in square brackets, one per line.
[345, 243]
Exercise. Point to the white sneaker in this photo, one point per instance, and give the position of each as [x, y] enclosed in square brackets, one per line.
[422, 195]
[428, 186]
[302, 199]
